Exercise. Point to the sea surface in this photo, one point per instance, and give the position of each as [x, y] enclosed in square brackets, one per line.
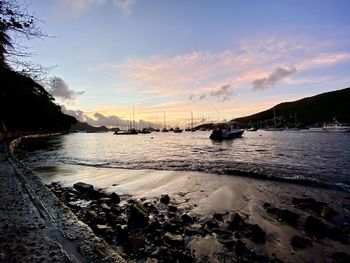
[320, 159]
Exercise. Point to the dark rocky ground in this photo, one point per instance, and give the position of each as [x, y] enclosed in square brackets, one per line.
[158, 231]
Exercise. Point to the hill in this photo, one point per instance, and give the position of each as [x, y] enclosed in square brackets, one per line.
[25, 106]
[321, 108]
[85, 127]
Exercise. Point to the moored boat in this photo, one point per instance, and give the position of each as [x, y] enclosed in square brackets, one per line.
[336, 127]
[177, 130]
[128, 132]
[226, 134]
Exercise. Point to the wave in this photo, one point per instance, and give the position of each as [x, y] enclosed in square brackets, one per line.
[271, 173]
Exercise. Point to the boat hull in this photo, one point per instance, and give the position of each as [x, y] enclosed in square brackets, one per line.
[220, 135]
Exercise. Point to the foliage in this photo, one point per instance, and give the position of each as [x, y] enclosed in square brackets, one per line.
[17, 23]
[26, 106]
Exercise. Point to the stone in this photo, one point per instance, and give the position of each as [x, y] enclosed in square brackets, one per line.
[102, 228]
[240, 247]
[315, 227]
[83, 187]
[254, 232]
[187, 219]
[106, 200]
[91, 216]
[137, 242]
[151, 260]
[328, 213]
[227, 241]
[299, 242]
[284, 215]
[115, 198]
[105, 207]
[234, 219]
[211, 225]
[165, 199]
[191, 231]
[138, 216]
[172, 208]
[217, 216]
[308, 203]
[340, 257]
[173, 239]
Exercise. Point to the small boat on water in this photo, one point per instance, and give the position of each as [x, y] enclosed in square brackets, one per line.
[177, 130]
[226, 134]
[145, 130]
[252, 129]
[336, 127]
[128, 132]
[274, 129]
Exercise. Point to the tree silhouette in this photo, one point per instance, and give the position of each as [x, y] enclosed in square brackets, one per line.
[24, 104]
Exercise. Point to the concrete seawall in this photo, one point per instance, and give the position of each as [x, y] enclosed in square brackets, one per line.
[35, 226]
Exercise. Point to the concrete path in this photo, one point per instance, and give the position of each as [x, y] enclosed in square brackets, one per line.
[36, 227]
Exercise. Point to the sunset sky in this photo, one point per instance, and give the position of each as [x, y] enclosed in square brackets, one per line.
[220, 59]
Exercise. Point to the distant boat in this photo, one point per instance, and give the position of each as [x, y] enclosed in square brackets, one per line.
[226, 134]
[128, 132]
[164, 128]
[177, 130]
[336, 127]
[252, 129]
[274, 129]
[145, 130]
[275, 126]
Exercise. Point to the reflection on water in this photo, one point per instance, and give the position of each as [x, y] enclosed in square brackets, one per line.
[304, 156]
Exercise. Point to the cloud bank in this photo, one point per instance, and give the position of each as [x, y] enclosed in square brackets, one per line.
[59, 89]
[196, 75]
[99, 119]
[271, 80]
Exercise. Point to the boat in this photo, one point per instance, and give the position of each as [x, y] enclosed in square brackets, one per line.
[145, 130]
[275, 128]
[336, 127]
[177, 130]
[128, 132]
[226, 134]
[252, 129]
[164, 128]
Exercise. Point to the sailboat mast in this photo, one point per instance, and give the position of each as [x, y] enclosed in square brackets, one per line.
[191, 121]
[164, 119]
[133, 116]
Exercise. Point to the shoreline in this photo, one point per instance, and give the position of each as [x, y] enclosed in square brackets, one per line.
[269, 205]
[31, 204]
[280, 210]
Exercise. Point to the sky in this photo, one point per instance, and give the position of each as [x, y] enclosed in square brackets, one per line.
[218, 59]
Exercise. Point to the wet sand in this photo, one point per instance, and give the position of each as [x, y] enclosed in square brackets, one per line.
[259, 202]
